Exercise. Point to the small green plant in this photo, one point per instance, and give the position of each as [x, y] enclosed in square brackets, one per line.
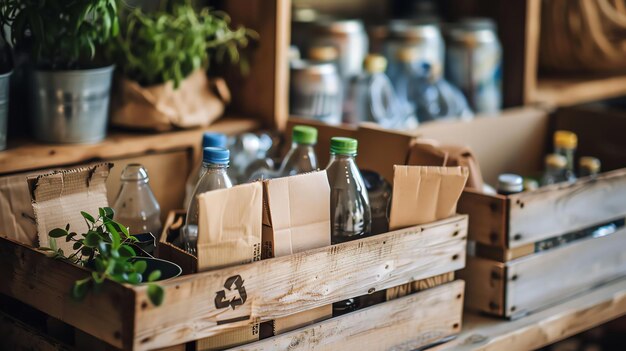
[157, 47]
[60, 34]
[105, 249]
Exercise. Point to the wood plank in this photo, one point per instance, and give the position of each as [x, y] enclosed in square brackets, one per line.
[264, 92]
[407, 323]
[28, 155]
[287, 285]
[45, 284]
[564, 208]
[487, 217]
[502, 254]
[531, 50]
[482, 333]
[19, 336]
[568, 91]
[485, 285]
[539, 280]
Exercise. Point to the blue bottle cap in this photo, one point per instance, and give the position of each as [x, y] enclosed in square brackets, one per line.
[213, 140]
[215, 155]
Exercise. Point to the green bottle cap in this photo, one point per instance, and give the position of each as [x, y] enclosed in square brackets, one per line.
[304, 135]
[343, 146]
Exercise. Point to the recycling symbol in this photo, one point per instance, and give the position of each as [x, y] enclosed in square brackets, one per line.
[233, 283]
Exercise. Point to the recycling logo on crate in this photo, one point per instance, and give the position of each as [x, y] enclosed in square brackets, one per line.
[233, 285]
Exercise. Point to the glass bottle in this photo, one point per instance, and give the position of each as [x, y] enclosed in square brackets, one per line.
[509, 184]
[565, 143]
[301, 157]
[215, 164]
[588, 166]
[372, 97]
[405, 81]
[208, 140]
[350, 214]
[555, 169]
[135, 205]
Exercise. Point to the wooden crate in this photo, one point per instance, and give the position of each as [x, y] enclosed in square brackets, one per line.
[123, 317]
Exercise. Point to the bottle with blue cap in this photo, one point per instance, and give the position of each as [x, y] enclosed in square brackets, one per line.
[208, 140]
[214, 164]
[350, 213]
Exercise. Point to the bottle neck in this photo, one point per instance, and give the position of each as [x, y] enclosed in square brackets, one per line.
[342, 157]
[214, 167]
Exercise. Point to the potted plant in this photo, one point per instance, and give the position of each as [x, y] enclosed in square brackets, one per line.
[6, 68]
[163, 57]
[69, 80]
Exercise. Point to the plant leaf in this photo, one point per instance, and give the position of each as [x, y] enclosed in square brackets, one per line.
[156, 294]
[87, 216]
[126, 251]
[134, 278]
[77, 245]
[92, 239]
[115, 235]
[140, 266]
[57, 233]
[154, 276]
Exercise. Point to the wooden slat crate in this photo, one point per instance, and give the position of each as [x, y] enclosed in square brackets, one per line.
[123, 317]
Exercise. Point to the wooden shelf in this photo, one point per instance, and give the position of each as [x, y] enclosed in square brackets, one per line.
[481, 333]
[573, 91]
[24, 155]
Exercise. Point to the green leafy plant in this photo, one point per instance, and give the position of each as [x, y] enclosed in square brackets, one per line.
[105, 249]
[157, 47]
[60, 34]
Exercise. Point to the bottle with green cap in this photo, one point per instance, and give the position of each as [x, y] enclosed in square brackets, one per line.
[301, 157]
[372, 97]
[350, 213]
[215, 164]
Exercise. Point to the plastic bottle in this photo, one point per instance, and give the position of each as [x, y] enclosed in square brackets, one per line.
[510, 184]
[208, 140]
[301, 157]
[405, 81]
[565, 143]
[379, 192]
[135, 205]
[350, 213]
[555, 169]
[588, 166]
[215, 164]
[372, 97]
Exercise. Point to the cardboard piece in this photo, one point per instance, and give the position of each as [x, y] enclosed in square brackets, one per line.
[17, 218]
[296, 218]
[426, 152]
[464, 157]
[198, 101]
[423, 194]
[59, 196]
[229, 233]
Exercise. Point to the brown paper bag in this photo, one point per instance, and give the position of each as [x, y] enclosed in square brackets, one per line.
[198, 101]
[58, 197]
[17, 219]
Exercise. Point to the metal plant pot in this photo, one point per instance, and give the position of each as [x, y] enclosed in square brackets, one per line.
[4, 108]
[71, 106]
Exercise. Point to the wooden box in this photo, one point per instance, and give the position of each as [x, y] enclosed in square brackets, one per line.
[123, 317]
[511, 275]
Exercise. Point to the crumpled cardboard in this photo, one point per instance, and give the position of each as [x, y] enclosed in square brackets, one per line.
[198, 101]
[229, 233]
[296, 218]
[423, 194]
[17, 218]
[59, 196]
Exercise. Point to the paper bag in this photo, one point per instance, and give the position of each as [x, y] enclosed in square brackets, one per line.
[59, 196]
[17, 219]
[198, 101]
[424, 194]
[296, 218]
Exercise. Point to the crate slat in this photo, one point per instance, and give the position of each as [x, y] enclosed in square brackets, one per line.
[283, 286]
[406, 323]
[559, 209]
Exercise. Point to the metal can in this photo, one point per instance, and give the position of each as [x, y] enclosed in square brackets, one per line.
[474, 61]
[350, 40]
[315, 91]
[423, 36]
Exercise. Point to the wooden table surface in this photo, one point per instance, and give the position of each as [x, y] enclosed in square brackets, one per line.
[542, 328]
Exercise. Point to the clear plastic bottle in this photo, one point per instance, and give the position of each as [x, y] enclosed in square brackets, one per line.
[135, 205]
[405, 81]
[301, 157]
[588, 166]
[379, 192]
[565, 143]
[215, 164]
[373, 98]
[208, 140]
[555, 169]
[350, 213]
[435, 98]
